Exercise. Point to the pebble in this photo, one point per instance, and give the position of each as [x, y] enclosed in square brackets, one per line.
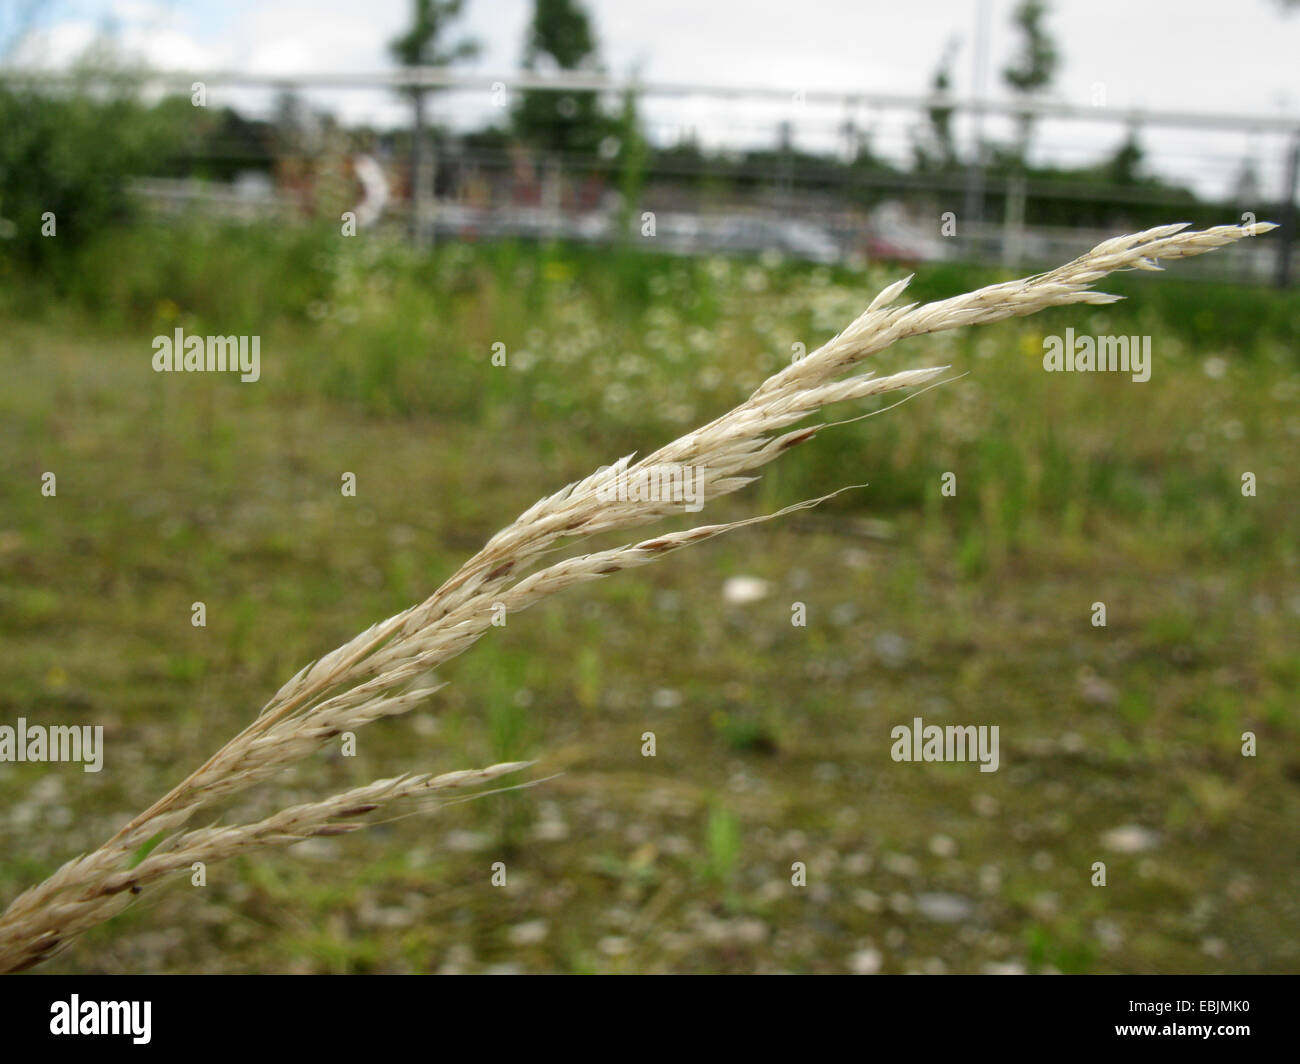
[944, 908]
[1130, 838]
[614, 946]
[866, 961]
[891, 649]
[529, 933]
[943, 846]
[465, 841]
[742, 590]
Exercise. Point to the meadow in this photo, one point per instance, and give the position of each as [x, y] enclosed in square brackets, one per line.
[1120, 744]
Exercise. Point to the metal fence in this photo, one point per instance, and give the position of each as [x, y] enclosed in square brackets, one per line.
[822, 213]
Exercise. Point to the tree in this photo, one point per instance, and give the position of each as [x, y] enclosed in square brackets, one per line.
[633, 155]
[1036, 63]
[1124, 167]
[67, 157]
[423, 45]
[560, 36]
[939, 151]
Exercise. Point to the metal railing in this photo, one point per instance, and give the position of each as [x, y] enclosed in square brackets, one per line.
[1007, 240]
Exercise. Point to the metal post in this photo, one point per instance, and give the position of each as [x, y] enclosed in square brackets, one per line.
[1287, 220]
[1013, 222]
[420, 182]
[974, 207]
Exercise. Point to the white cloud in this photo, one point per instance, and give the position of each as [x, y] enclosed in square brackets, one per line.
[1157, 54]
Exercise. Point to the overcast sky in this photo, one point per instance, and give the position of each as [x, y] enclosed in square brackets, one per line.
[1238, 56]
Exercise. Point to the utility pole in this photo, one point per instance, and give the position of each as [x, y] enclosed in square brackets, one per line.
[421, 232]
[423, 46]
[1287, 221]
[1013, 222]
[974, 208]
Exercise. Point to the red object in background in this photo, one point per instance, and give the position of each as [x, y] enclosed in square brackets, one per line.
[880, 248]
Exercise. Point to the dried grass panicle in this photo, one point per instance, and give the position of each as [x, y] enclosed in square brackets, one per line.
[376, 674]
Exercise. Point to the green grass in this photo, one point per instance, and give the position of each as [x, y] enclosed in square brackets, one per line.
[772, 740]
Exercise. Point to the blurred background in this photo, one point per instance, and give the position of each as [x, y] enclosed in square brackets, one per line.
[649, 209]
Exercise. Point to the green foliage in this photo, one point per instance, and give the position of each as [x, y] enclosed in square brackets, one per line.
[633, 156]
[375, 360]
[1035, 64]
[561, 31]
[146, 848]
[939, 150]
[70, 155]
[722, 845]
[561, 35]
[423, 43]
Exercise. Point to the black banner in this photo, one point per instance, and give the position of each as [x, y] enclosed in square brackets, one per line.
[1220, 1015]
